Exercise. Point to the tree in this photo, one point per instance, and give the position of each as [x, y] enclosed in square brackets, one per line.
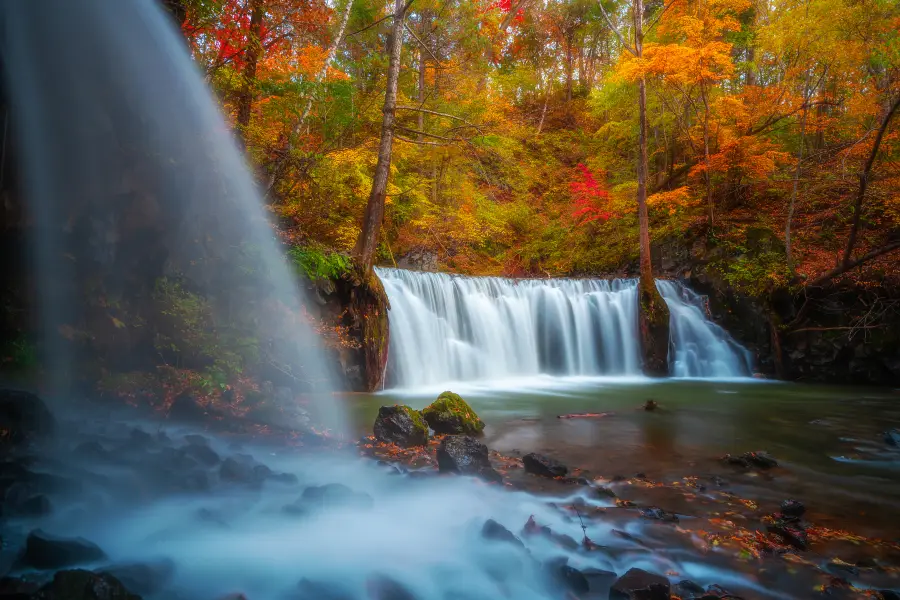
[367, 243]
[654, 315]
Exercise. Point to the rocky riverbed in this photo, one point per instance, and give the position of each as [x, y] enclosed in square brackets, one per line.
[109, 506]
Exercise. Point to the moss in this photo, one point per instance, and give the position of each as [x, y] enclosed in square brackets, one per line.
[451, 414]
[416, 417]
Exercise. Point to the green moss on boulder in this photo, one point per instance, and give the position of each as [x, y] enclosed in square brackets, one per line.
[450, 414]
[401, 425]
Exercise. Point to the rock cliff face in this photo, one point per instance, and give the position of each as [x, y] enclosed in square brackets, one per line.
[840, 334]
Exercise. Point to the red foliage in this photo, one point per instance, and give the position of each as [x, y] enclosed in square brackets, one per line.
[589, 198]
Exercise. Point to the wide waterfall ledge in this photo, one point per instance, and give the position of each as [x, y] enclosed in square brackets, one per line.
[452, 329]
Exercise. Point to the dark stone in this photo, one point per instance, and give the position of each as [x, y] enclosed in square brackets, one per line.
[653, 327]
[538, 464]
[598, 579]
[889, 595]
[385, 588]
[892, 437]
[333, 494]
[316, 590]
[651, 405]
[687, 589]
[466, 456]
[185, 408]
[43, 551]
[840, 568]
[91, 450]
[400, 425]
[24, 417]
[84, 585]
[791, 534]
[14, 588]
[492, 530]
[605, 491]
[657, 514]
[244, 471]
[143, 578]
[569, 578]
[35, 506]
[638, 584]
[761, 460]
[203, 454]
[792, 509]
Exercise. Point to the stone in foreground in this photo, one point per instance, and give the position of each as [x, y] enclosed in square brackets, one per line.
[450, 414]
[43, 551]
[23, 417]
[84, 585]
[538, 464]
[638, 584]
[466, 456]
[400, 425]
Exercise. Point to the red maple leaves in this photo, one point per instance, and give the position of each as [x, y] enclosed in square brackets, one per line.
[589, 198]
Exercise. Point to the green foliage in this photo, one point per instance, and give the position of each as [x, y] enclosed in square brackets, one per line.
[19, 354]
[318, 264]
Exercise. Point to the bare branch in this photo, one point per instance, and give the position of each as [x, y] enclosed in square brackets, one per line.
[616, 30]
[431, 112]
[367, 27]
[420, 142]
[421, 43]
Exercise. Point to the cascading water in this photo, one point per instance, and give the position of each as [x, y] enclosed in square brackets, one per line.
[452, 328]
[136, 189]
[701, 347]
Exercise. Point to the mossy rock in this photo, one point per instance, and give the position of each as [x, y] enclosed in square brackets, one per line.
[450, 414]
[401, 425]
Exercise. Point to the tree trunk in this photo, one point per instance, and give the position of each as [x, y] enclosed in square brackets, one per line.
[652, 309]
[248, 76]
[807, 94]
[864, 182]
[367, 243]
[710, 207]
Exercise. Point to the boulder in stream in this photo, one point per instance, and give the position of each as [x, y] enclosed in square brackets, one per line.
[492, 530]
[24, 417]
[892, 437]
[400, 425]
[450, 414]
[466, 456]
[43, 551]
[640, 584]
[538, 464]
[84, 585]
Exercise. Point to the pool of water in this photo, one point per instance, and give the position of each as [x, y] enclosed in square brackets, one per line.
[828, 440]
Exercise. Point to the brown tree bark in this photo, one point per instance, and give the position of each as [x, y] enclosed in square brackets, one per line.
[788, 247]
[251, 62]
[653, 314]
[367, 243]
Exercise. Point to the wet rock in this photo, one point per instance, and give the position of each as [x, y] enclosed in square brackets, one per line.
[14, 588]
[450, 414]
[892, 437]
[792, 510]
[606, 492]
[243, 471]
[317, 590]
[285, 478]
[657, 514]
[466, 456]
[638, 584]
[84, 585]
[567, 577]
[688, 590]
[889, 595]
[760, 460]
[142, 578]
[334, 494]
[651, 405]
[598, 580]
[186, 408]
[841, 568]
[140, 439]
[203, 454]
[400, 425]
[717, 591]
[92, 450]
[792, 534]
[195, 439]
[23, 417]
[385, 588]
[43, 551]
[492, 530]
[35, 506]
[538, 464]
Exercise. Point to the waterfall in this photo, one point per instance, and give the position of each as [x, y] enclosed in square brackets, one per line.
[701, 348]
[454, 328]
[451, 328]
